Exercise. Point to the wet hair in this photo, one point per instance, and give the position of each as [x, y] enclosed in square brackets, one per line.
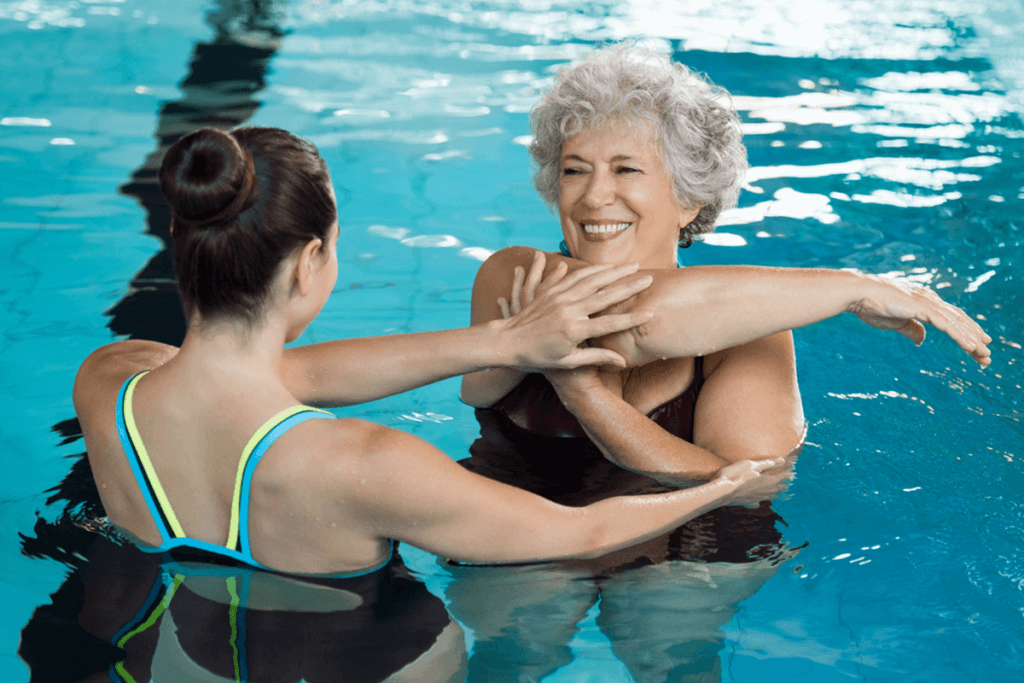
[694, 122]
[241, 202]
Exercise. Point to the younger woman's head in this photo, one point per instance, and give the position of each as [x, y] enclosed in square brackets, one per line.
[241, 203]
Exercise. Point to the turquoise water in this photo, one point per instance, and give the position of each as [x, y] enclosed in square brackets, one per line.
[883, 138]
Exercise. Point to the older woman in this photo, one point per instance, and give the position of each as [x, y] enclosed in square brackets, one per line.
[639, 156]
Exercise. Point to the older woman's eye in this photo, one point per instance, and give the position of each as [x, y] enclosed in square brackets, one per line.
[571, 171]
[627, 169]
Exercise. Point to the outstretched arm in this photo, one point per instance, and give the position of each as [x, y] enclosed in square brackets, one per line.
[703, 309]
[428, 500]
[545, 334]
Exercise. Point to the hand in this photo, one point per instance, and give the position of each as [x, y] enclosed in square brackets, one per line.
[548, 318]
[756, 480]
[902, 306]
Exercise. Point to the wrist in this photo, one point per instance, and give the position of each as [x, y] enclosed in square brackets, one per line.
[575, 395]
[497, 348]
[854, 288]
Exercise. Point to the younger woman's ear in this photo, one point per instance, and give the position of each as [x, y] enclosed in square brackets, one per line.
[307, 265]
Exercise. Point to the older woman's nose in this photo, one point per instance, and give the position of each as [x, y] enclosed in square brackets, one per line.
[600, 190]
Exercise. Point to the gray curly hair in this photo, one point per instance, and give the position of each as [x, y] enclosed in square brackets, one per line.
[699, 131]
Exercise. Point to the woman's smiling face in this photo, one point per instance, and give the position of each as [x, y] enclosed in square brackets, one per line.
[616, 199]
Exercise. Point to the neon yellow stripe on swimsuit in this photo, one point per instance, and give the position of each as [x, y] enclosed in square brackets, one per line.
[233, 619]
[154, 615]
[249, 447]
[140, 448]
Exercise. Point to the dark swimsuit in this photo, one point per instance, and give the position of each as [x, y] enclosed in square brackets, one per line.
[530, 440]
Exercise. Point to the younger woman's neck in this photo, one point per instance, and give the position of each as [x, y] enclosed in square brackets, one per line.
[234, 344]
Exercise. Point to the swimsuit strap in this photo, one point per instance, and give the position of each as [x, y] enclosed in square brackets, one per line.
[265, 436]
[152, 491]
[236, 617]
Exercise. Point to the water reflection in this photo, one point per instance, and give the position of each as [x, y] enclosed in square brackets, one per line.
[661, 604]
[124, 615]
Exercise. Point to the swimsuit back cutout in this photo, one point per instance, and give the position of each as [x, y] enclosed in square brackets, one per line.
[173, 536]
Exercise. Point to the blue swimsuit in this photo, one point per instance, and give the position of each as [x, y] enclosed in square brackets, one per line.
[237, 546]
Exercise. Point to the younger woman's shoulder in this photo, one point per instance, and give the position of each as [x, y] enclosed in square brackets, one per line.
[109, 366]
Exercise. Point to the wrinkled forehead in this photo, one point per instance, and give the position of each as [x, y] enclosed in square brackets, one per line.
[643, 133]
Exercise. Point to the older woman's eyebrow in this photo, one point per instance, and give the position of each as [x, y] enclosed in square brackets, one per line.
[617, 157]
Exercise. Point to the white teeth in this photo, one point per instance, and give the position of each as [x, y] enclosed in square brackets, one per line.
[594, 229]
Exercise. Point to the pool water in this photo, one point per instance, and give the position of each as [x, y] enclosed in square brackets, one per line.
[886, 138]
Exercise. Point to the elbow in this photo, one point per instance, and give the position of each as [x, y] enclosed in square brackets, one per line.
[594, 534]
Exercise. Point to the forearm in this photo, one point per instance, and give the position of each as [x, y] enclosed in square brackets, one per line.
[350, 371]
[702, 309]
[620, 522]
[484, 388]
[562, 532]
[635, 442]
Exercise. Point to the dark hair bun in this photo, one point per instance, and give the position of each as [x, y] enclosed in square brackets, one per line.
[208, 179]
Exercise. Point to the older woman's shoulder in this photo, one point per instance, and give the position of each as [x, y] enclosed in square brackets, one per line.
[502, 263]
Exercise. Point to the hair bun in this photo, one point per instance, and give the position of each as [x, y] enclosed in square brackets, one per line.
[208, 178]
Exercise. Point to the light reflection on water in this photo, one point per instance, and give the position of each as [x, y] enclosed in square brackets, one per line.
[882, 138]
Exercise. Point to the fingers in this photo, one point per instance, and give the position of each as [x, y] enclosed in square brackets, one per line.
[585, 281]
[610, 324]
[914, 331]
[953, 321]
[533, 278]
[762, 465]
[554, 278]
[593, 356]
[506, 312]
[516, 303]
[966, 333]
[614, 293]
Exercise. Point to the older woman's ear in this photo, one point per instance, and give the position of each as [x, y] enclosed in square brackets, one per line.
[686, 216]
